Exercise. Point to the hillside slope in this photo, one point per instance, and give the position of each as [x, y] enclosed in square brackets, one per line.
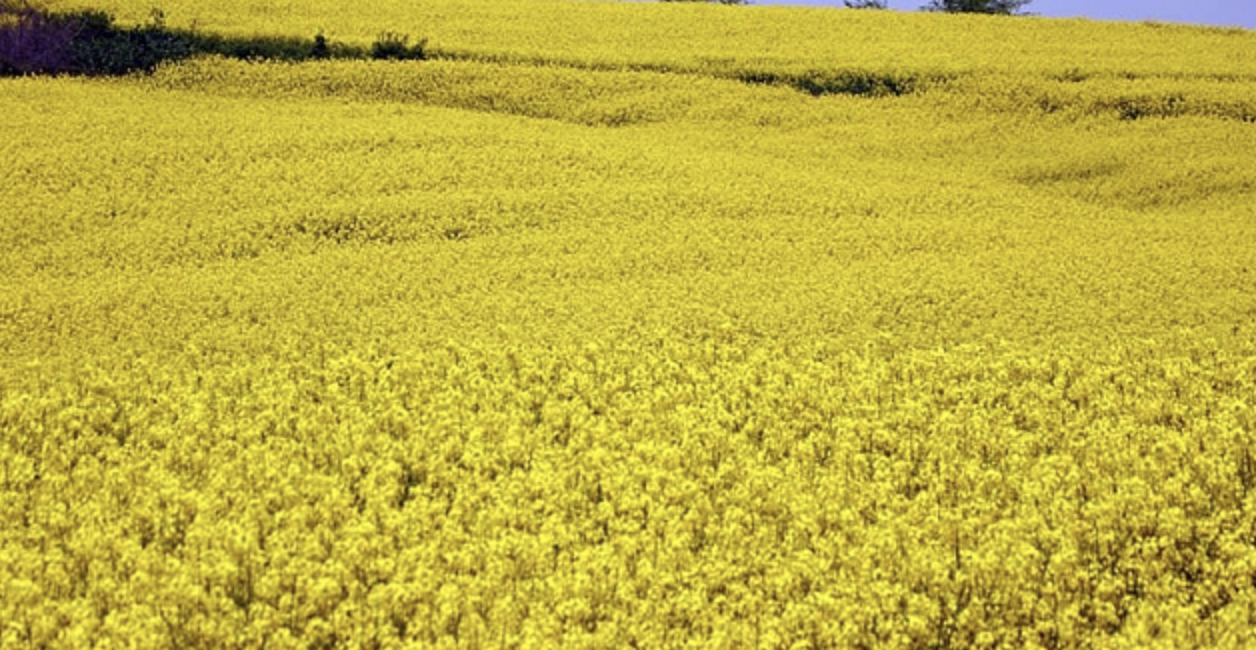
[652, 325]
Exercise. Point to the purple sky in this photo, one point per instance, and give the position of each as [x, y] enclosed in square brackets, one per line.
[1225, 13]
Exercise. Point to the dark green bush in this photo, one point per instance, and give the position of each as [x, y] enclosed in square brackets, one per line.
[394, 46]
[38, 41]
[1000, 7]
[34, 42]
[321, 49]
[280, 48]
[848, 82]
[102, 48]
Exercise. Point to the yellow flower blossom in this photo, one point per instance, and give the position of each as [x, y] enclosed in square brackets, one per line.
[600, 330]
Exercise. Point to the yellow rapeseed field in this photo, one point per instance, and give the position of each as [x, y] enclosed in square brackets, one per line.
[636, 325]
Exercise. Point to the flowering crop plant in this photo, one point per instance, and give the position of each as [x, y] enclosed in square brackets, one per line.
[650, 325]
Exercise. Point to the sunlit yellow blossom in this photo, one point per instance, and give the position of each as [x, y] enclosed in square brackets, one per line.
[601, 329]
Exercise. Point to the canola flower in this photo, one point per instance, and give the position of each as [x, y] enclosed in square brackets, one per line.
[599, 342]
[715, 38]
[736, 492]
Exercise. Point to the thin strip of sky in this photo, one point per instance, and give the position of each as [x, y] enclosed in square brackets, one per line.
[1221, 13]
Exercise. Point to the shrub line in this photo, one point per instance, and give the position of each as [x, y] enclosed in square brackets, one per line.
[88, 42]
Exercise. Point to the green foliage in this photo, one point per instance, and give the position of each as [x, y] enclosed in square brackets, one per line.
[1003, 7]
[845, 82]
[321, 49]
[278, 48]
[395, 46]
[32, 42]
[88, 42]
[102, 48]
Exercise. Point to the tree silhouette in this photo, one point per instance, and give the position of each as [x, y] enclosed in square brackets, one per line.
[1004, 7]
